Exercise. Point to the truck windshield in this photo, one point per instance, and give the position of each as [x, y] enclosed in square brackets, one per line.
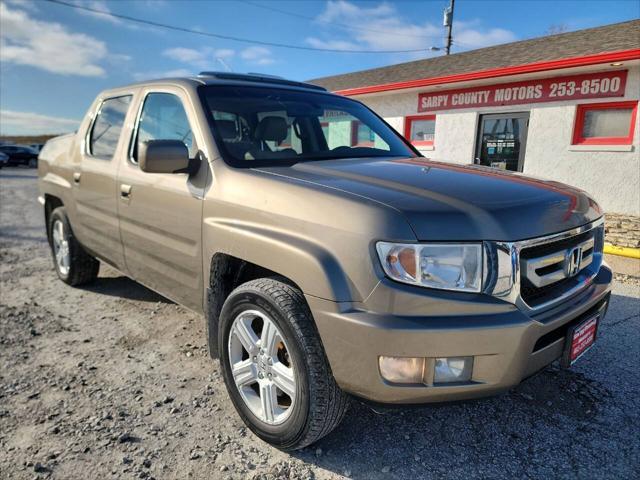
[257, 125]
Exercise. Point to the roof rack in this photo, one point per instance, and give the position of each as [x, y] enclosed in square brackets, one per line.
[259, 77]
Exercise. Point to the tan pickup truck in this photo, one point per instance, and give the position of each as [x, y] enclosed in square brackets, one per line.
[328, 258]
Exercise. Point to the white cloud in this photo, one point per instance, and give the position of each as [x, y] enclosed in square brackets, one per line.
[18, 123]
[208, 58]
[118, 58]
[101, 6]
[48, 46]
[224, 53]
[202, 58]
[332, 44]
[381, 27]
[178, 72]
[257, 55]
[24, 4]
[185, 55]
[467, 36]
[339, 9]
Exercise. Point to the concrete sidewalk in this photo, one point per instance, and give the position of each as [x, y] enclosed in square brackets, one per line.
[624, 265]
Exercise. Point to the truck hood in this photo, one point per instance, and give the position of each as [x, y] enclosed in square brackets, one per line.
[444, 201]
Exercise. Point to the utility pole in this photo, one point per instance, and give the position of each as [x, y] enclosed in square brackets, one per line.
[448, 22]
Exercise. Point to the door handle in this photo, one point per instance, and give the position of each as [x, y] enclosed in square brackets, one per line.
[125, 190]
[76, 177]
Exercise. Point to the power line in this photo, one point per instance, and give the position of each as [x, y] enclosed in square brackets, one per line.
[462, 44]
[333, 23]
[220, 36]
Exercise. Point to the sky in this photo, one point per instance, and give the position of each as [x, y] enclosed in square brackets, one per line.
[55, 59]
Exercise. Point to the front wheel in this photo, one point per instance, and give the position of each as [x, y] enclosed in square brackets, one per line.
[274, 366]
[33, 163]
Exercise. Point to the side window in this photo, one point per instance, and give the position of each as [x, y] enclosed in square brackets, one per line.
[107, 126]
[163, 118]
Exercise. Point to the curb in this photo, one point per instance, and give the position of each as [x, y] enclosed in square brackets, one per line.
[622, 251]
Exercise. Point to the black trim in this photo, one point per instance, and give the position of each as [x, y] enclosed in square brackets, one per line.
[261, 78]
[561, 332]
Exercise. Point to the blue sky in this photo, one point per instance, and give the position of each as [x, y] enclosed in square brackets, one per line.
[55, 59]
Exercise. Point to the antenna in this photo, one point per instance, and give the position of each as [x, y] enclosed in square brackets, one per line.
[224, 64]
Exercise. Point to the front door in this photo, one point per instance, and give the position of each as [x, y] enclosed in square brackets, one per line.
[161, 214]
[502, 140]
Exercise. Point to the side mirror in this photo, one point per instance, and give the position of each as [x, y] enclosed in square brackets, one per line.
[163, 156]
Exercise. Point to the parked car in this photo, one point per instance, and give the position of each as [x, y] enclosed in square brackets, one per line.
[36, 147]
[327, 264]
[20, 155]
[4, 160]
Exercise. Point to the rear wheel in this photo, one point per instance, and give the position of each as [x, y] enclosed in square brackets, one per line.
[33, 163]
[72, 263]
[274, 365]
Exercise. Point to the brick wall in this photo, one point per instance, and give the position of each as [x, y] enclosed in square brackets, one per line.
[622, 230]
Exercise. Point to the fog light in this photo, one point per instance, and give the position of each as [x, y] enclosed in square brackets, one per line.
[402, 369]
[453, 369]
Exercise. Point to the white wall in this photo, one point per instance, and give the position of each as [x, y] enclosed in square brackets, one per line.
[612, 177]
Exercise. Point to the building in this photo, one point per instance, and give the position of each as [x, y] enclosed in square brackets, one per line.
[563, 107]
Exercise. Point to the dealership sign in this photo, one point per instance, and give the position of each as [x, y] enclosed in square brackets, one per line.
[574, 87]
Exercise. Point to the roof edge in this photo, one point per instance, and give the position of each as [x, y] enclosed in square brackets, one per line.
[581, 61]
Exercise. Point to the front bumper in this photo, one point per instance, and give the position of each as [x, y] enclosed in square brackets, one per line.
[507, 344]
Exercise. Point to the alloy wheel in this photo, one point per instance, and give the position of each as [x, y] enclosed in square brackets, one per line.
[61, 247]
[261, 367]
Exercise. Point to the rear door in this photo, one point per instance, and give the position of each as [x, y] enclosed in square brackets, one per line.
[94, 181]
[161, 214]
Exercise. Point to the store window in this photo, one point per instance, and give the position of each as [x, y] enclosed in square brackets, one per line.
[420, 130]
[605, 123]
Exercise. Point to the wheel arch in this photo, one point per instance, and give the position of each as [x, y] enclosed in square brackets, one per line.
[227, 272]
[51, 202]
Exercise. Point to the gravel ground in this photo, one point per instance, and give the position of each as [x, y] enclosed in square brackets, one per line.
[114, 381]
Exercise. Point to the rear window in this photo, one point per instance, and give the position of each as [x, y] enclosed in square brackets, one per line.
[107, 126]
[277, 126]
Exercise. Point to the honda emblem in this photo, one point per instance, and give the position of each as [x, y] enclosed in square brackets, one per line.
[572, 261]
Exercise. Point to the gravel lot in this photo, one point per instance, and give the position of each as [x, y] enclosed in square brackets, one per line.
[113, 381]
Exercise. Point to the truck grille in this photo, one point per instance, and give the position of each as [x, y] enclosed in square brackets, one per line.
[551, 270]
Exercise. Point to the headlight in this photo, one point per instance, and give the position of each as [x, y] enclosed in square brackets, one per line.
[445, 266]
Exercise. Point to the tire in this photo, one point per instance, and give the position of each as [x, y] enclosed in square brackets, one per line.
[318, 404]
[80, 267]
[33, 163]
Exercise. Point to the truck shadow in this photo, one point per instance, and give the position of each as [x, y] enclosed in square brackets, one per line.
[123, 287]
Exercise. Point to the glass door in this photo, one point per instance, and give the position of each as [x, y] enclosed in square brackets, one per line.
[502, 140]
